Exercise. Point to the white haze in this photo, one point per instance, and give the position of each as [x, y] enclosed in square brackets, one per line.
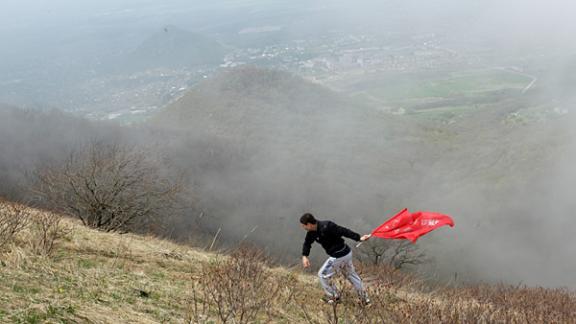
[526, 236]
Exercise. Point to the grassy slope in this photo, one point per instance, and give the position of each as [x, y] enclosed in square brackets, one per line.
[95, 277]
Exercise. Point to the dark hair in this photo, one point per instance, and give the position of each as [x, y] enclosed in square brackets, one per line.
[307, 219]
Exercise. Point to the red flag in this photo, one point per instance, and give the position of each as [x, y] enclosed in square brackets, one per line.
[411, 226]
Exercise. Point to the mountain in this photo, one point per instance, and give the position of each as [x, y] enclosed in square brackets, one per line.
[288, 122]
[173, 47]
[298, 141]
[247, 101]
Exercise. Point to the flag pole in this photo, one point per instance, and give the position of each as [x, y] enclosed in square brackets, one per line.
[360, 243]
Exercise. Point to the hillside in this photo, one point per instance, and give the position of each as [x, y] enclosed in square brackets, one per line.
[95, 277]
[247, 100]
[173, 47]
[288, 124]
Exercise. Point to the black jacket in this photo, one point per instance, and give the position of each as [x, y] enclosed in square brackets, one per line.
[329, 235]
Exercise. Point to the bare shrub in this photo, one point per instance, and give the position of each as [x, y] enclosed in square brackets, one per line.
[466, 304]
[109, 187]
[354, 311]
[13, 219]
[46, 228]
[397, 254]
[520, 302]
[199, 305]
[351, 307]
[238, 289]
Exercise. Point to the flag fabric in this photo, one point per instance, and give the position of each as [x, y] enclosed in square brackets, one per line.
[411, 226]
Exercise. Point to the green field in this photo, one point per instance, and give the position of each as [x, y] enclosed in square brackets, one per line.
[439, 95]
[406, 87]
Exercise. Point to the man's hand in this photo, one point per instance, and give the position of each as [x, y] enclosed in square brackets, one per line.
[365, 237]
[305, 261]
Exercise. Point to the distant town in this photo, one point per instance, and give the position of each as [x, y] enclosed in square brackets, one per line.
[333, 59]
[323, 59]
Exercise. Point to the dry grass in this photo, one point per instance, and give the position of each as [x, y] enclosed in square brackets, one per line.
[96, 277]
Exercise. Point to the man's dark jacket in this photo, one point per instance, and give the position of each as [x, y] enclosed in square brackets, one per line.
[329, 235]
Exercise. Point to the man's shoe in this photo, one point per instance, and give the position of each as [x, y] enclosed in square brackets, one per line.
[366, 301]
[331, 300]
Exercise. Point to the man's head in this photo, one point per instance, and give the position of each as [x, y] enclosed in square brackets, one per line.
[308, 222]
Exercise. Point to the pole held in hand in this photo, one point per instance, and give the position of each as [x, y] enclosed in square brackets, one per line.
[360, 243]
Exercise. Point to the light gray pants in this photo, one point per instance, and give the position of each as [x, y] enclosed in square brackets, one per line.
[339, 265]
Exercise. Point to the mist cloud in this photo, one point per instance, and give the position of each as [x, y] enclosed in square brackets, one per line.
[509, 187]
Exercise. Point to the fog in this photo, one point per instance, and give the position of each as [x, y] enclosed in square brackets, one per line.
[503, 171]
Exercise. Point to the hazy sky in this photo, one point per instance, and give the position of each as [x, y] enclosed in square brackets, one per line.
[523, 19]
[551, 12]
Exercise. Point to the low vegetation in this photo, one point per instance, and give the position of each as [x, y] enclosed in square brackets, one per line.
[92, 276]
[109, 187]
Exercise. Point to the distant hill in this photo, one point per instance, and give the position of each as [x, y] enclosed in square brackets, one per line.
[172, 47]
[301, 144]
[283, 116]
[249, 100]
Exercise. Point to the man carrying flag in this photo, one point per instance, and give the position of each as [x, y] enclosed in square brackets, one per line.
[404, 225]
[329, 235]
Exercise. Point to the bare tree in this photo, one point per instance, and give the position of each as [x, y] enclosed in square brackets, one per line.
[110, 187]
[395, 253]
[47, 229]
[13, 219]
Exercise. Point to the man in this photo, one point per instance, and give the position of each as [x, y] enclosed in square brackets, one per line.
[329, 235]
